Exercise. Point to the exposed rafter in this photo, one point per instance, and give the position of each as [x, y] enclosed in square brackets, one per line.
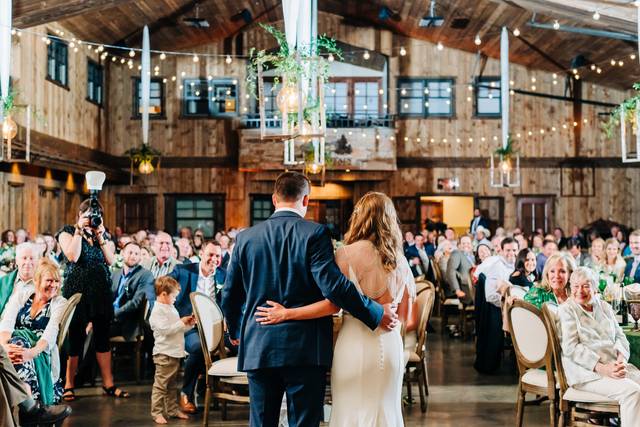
[29, 13]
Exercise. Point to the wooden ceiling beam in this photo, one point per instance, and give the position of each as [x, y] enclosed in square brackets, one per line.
[29, 13]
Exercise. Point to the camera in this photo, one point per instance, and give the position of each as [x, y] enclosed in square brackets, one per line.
[95, 179]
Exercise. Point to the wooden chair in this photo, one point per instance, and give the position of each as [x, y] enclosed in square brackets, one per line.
[517, 291]
[136, 342]
[416, 368]
[532, 346]
[224, 382]
[67, 315]
[577, 408]
[451, 306]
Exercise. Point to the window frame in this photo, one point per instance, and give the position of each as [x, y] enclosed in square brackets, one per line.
[54, 50]
[426, 97]
[351, 95]
[135, 106]
[218, 200]
[90, 96]
[480, 81]
[228, 81]
[259, 198]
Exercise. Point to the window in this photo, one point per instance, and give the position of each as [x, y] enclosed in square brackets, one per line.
[57, 60]
[357, 97]
[156, 98]
[205, 212]
[426, 97]
[94, 82]
[488, 97]
[261, 208]
[271, 90]
[210, 98]
[136, 212]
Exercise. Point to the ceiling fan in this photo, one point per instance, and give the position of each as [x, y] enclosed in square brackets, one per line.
[196, 21]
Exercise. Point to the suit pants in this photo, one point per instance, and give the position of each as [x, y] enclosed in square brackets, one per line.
[625, 390]
[304, 386]
[194, 365]
[12, 391]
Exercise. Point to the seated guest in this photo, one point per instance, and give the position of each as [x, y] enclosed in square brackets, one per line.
[525, 272]
[549, 247]
[632, 269]
[419, 261]
[409, 240]
[185, 251]
[522, 242]
[131, 286]
[536, 243]
[597, 253]
[553, 286]
[574, 247]
[442, 255]
[146, 255]
[595, 350]
[457, 275]
[482, 252]
[207, 278]
[29, 332]
[482, 236]
[614, 263]
[162, 263]
[558, 234]
[577, 234]
[20, 278]
[500, 272]
[225, 243]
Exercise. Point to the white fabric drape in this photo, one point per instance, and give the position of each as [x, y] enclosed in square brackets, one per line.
[145, 83]
[5, 48]
[504, 83]
[291, 13]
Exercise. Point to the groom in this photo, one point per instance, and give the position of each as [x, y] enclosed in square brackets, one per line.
[290, 260]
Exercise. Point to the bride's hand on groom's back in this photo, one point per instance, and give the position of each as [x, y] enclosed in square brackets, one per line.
[275, 313]
[389, 318]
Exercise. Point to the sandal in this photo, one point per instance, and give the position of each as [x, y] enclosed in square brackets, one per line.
[68, 395]
[116, 392]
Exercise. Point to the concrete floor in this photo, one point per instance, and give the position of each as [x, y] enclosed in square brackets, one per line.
[459, 396]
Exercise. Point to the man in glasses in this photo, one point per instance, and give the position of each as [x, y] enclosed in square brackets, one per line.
[162, 263]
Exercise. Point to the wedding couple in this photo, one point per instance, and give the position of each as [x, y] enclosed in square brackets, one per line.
[289, 262]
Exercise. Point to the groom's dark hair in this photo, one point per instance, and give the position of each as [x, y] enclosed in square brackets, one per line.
[291, 186]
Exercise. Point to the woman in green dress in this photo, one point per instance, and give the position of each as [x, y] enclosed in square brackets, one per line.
[554, 284]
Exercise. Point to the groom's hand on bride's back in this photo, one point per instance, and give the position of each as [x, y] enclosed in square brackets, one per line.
[389, 318]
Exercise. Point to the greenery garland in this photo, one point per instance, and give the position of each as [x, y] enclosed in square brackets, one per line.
[630, 107]
[507, 151]
[142, 154]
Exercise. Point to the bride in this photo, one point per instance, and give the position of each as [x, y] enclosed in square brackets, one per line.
[366, 378]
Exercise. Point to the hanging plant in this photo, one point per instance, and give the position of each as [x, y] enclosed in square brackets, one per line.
[309, 155]
[507, 151]
[8, 103]
[630, 107]
[142, 154]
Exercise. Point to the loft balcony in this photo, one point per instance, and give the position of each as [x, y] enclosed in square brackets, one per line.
[346, 121]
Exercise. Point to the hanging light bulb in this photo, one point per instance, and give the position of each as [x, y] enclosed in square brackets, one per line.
[145, 167]
[366, 55]
[596, 15]
[403, 51]
[228, 59]
[288, 99]
[516, 32]
[163, 56]
[556, 25]
[477, 40]
[440, 46]
[195, 58]
[505, 165]
[331, 58]
[9, 128]
[132, 53]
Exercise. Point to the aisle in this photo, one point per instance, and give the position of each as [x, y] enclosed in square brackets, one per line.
[458, 396]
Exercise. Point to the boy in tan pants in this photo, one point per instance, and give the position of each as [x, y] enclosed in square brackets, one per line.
[168, 332]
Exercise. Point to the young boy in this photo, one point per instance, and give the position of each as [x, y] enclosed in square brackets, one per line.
[168, 332]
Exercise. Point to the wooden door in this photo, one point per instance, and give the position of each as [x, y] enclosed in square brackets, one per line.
[492, 208]
[535, 213]
[407, 211]
[50, 213]
[136, 212]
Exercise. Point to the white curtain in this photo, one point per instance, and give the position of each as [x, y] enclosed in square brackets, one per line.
[145, 83]
[291, 13]
[504, 83]
[5, 48]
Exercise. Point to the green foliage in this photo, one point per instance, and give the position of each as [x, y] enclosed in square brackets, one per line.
[142, 154]
[629, 106]
[8, 102]
[309, 153]
[507, 151]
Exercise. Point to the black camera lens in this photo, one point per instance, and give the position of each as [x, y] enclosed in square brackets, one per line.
[96, 221]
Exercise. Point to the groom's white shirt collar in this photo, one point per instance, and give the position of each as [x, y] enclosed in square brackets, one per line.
[288, 210]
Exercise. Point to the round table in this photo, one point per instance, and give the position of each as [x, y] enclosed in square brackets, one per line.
[634, 344]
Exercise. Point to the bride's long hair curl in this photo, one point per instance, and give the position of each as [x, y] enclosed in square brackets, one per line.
[374, 218]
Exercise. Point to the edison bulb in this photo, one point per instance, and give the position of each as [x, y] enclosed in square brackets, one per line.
[505, 166]
[145, 167]
[9, 128]
[287, 99]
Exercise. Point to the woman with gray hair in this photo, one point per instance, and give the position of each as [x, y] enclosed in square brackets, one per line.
[595, 351]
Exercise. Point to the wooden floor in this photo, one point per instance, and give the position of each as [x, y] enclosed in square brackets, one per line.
[459, 396]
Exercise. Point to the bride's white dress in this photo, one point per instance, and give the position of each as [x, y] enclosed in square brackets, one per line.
[368, 366]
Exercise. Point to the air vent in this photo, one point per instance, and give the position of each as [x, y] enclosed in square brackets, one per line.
[460, 23]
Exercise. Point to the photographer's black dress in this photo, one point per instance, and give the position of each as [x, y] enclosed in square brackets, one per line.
[90, 276]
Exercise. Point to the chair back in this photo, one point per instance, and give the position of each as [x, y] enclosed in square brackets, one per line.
[437, 273]
[210, 322]
[67, 315]
[517, 291]
[550, 317]
[529, 335]
[424, 300]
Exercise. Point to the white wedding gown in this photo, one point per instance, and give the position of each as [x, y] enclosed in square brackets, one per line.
[368, 366]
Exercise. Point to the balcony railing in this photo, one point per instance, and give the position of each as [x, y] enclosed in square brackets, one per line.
[252, 121]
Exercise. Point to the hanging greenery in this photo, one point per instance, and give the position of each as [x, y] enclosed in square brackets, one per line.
[8, 104]
[630, 107]
[309, 155]
[142, 154]
[507, 151]
[291, 64]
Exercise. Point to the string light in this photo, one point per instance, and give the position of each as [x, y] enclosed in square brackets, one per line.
[132, 53]
[632, 56]
[366, 55]
[228, 60]
[516, 32]
[163, 56]
[621, 63]
[477, 40]
[596, 15]
[613, 62]
[440, 46]
[195, 58]
[556, 25]
[331, 58]
[403, 51]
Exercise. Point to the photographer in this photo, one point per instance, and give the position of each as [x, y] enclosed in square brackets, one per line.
[85, 246]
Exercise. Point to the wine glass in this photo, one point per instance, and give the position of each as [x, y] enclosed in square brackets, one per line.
[634, 310]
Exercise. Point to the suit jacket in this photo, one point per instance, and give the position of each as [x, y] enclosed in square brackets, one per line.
[585, 260]
[457, 275]
[225, 260]
[187, 276]
[627, 271]
[289, 260]
[482, 222]
[425, 270]
[6, 288]
[137, 289]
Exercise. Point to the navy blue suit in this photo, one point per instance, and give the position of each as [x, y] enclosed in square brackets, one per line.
[627, 271]
[187, 276]
[289, 260]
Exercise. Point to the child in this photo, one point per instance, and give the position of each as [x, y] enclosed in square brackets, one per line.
[168, 332]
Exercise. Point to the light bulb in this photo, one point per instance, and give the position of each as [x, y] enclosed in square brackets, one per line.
[505, 166]
[403, 51]
[440, 46]
[228, 59]
[366, 55]
[556, 25]
[516, 32]
[132, 53]
[331, 58]
[288, 99]
[9, 128]
[477, 40]
[195, 58]
[145, 167]
[163, 56]
[596, 15]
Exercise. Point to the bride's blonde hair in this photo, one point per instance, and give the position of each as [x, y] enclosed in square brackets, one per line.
[374, 218]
